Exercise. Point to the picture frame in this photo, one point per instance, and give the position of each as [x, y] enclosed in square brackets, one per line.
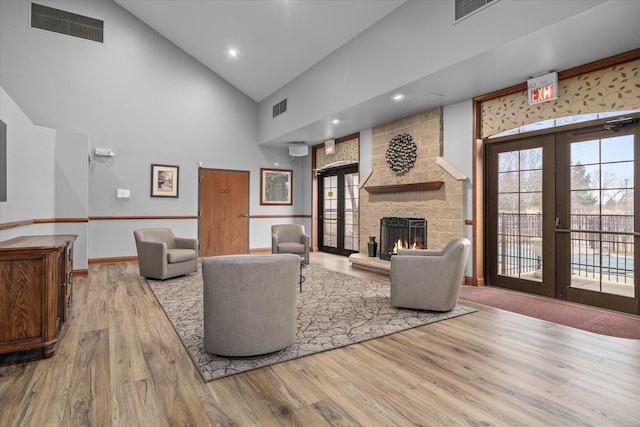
[276, 187]
[165, 180]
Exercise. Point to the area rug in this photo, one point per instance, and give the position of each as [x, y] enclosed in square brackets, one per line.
[575, 315]
[334, 310]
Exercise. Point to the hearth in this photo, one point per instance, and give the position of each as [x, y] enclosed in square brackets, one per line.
[396, 232]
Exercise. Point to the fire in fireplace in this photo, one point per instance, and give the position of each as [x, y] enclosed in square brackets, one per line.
[395, 232]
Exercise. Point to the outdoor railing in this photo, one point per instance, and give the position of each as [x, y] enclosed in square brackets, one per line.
[603, 251]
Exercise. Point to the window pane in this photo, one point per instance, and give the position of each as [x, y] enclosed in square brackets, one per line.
[617, 149]
[508, 203]
[531, 180]
[531, 203]
[508, 161]
[585, 152]
[585, 177]
[531, 159]
[508, 182]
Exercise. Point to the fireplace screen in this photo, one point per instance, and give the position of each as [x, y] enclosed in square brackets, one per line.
[397, 233]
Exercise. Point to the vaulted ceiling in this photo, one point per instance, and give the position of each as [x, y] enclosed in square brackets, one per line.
[275, 41]
[283, 41]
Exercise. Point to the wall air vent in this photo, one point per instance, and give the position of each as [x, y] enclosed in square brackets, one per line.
[67, 23]
[465, 8]
[279, 108]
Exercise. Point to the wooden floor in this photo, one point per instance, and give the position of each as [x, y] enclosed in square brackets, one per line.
[121, 363]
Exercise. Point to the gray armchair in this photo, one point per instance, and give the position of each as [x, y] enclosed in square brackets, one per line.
[429, 279]
[290, 239]
[162, 255]
[250, 303]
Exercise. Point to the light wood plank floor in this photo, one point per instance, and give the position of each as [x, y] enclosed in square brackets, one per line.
[120, 363]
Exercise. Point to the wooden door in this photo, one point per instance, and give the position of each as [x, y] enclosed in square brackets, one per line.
[224, 212]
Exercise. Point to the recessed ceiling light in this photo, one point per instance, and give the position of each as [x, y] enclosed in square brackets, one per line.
[398, 96]
[335, 121]
[233, 52]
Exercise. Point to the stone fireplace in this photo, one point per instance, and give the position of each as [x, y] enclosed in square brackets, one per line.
[406, 233]
[432, 189]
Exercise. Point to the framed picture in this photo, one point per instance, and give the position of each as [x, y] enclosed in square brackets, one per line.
[164, 180]
[276, 186]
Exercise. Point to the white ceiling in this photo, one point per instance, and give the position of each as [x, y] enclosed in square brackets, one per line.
[281, 40]
[276, 40]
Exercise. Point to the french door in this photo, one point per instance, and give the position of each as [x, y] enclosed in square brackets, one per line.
[561, 215]
[339, 212]
[521, 211]
[597, 235]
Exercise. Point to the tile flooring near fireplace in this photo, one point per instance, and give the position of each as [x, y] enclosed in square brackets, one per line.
[374, 264]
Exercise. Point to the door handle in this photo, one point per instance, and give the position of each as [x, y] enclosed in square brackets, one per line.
[246, 215]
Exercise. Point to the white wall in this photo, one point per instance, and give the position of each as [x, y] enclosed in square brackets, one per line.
[46, 178]
[458, 143]
[147, 100]
[457, 121]
[31, 155]
[28, 173]
[72, 191]
[366, 151]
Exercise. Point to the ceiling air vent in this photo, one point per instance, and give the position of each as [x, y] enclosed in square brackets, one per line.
[465, 8]
[67, 23]
[279, 108]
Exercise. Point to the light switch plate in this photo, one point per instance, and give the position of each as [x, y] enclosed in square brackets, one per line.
[107, 152]
[122, 193]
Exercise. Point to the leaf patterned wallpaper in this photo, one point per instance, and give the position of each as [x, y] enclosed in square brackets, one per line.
[609, 89]
[345, 151]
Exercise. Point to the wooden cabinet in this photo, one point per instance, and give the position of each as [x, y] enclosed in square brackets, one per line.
[36, 291]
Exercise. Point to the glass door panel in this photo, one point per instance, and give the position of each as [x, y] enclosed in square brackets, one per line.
[351, 211]
[330, 212]
[602, 215]
[519, 193]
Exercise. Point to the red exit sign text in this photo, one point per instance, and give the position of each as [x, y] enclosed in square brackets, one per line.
[543, 87]
[542, 94]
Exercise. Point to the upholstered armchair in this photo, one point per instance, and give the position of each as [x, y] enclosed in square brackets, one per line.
[290, 239]
[162, 255]
[429, 279]
[250, 303]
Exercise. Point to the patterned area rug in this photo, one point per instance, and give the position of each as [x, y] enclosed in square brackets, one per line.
[334, 310]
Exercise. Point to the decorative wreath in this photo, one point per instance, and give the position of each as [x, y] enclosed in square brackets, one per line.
[401, 154]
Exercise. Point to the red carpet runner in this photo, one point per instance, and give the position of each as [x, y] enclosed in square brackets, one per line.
[569, 314]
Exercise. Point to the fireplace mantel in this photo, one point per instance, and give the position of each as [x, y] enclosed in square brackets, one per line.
[402, 188]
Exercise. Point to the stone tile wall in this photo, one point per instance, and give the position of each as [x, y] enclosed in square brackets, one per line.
[443, 209]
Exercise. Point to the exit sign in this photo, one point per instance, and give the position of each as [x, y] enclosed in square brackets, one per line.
[543, 88]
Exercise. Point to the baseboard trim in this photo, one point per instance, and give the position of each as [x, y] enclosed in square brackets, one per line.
[260, 251]
[81, 273]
